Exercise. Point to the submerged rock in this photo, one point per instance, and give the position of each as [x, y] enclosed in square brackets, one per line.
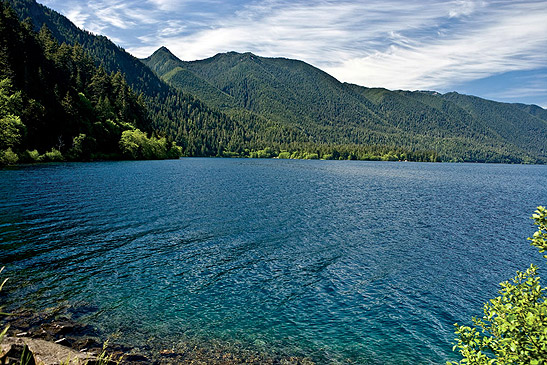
[80, 344]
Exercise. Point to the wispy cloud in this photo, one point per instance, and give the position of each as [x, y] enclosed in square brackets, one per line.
[504, 41]
[534, 86]
[166, 5]
[464, 7]
[78, 16]
[394, 44]
[322, 33]
[106, 15]
[398, 44]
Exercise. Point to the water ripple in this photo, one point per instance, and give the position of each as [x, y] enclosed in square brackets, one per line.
[345, 262]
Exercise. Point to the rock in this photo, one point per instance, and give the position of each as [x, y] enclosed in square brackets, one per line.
[135, 358]
[63, 341]
[55, 330]
[116, 347]
[43, 352]
[87, 343]
[47, 325]
[15, 353]
[168, 353]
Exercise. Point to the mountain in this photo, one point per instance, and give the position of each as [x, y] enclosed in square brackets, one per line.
[103, 51]
[53, 100]
[293, 93]
[199, 129]
[244, 105]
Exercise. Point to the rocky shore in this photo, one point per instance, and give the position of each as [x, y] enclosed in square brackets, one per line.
[52, 337]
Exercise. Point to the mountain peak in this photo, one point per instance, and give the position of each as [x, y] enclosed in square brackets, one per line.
[164, 52]
[163, 49]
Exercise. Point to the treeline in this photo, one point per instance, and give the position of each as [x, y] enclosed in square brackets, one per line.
[339, 152]
[198, 129]
[57, 105]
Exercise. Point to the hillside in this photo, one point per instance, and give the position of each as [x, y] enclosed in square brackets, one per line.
[458, 127]
[56, 105]
[103, 51]
[199, 129]
[244, 105]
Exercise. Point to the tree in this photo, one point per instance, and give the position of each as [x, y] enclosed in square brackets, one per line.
[11, 127]
[132, 144]
[10, 123]
[513, 329]
[135, 145]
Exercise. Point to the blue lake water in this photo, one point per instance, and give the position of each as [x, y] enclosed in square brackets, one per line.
[339, 261]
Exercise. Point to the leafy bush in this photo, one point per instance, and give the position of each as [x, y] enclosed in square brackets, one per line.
[54, 155]
[8, 157]
[311, 156]
[135, 145]
[82, 147]
[32, 156]
[513, 329]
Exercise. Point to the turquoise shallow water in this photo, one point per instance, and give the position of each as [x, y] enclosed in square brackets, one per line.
[341, 261]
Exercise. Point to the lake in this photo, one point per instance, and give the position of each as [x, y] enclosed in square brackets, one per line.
[339, 261]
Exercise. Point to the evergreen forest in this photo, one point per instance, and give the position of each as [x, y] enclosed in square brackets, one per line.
[68, 94]
[55, 104]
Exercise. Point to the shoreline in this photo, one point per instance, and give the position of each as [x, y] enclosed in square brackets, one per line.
[67, 336]
[41, 163]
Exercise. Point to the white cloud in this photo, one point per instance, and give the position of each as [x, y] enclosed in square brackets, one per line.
[510, 43]
[529, 87]
[166, 5]
[398, 44]
[113, 14]
[172, 28]
[102, 16]
[77, 16]
[464, 7]
[140, 16]
[394, 44]
[324, 31]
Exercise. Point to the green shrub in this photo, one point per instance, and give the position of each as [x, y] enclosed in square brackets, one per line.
[53, 155]
[513, 329]
[135, 145]
[82, 147]
[8, 157]
[32, 156]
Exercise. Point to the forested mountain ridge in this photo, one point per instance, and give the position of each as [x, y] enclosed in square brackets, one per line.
[103, 51]
[263, 107]
[197, 128]
[458, 127]
[55, 104]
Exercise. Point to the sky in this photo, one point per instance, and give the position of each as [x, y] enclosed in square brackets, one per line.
[493, 49]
